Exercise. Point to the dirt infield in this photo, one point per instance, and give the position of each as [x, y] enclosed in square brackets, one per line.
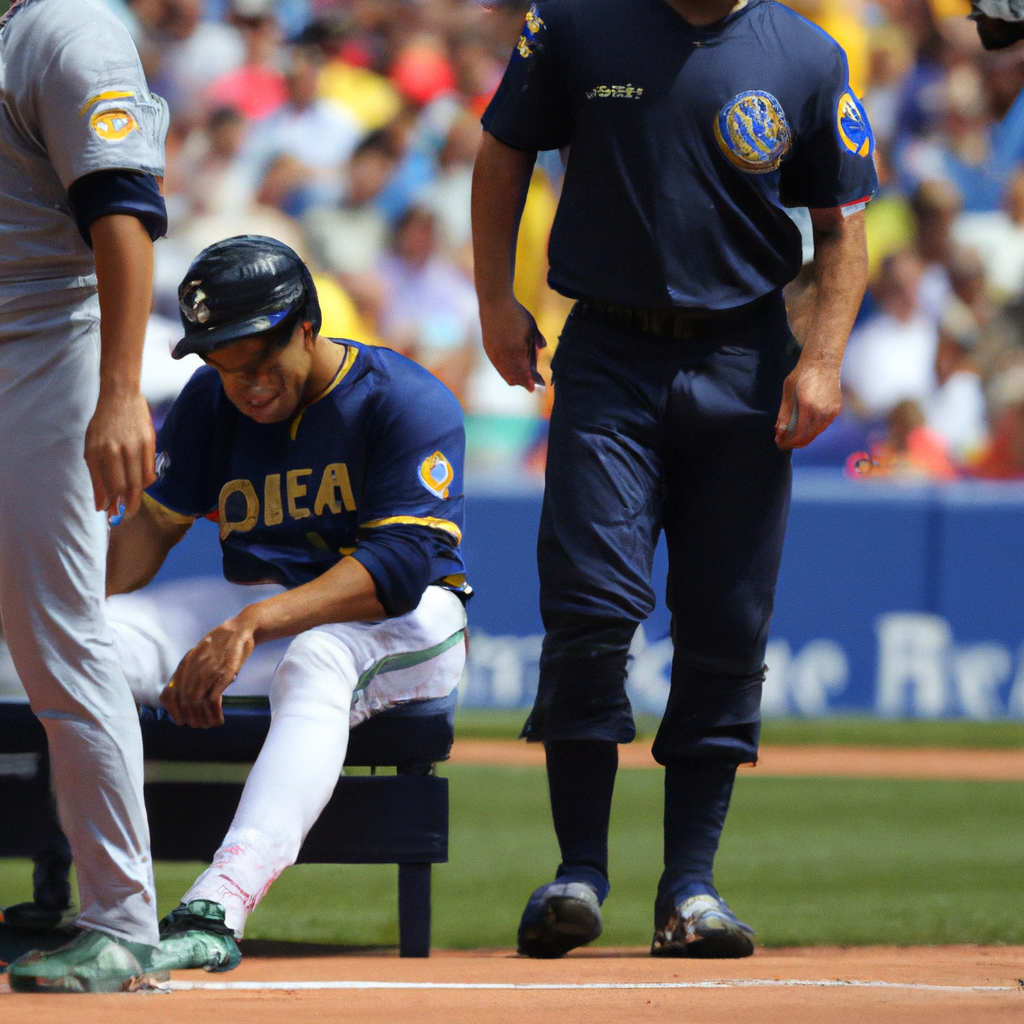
[292, 984]
[851, 762]
[802, 986]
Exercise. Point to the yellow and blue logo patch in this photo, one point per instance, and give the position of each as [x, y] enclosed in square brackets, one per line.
[436, 474]
[534, 23]
[113, 125]
[753, 133]
[852, 125]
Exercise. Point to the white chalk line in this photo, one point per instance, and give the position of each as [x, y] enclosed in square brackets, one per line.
[292, 986]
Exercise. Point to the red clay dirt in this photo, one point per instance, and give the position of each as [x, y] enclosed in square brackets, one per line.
[851, 762]
[957, 985]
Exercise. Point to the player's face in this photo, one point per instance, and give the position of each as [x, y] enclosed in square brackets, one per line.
[264, 380]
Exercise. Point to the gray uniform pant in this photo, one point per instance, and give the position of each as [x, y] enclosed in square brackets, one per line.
[52, 565]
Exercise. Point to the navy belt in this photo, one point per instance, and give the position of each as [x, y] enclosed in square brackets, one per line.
[682, 322]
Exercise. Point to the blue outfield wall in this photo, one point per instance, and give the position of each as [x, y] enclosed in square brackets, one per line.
[894, 599]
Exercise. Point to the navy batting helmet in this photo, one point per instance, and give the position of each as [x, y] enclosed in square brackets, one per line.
[241, 287]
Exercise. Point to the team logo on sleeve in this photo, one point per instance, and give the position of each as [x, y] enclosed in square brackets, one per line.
[528, 40]
[852, 123]
[113, 125]
[753, 132]
[436, 474]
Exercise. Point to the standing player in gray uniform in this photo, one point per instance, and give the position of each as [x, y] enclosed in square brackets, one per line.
[81, 148]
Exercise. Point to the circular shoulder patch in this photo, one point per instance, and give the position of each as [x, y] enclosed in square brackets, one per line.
[113, 125]
[753, 133]
[436, 474]
[852, 123]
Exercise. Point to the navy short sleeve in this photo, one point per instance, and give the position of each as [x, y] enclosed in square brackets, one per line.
[192, 447]
[531, 110]
[831, 163]
[411, 503]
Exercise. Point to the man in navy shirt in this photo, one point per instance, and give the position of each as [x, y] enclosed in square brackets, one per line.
[334, 470]
[680, 391]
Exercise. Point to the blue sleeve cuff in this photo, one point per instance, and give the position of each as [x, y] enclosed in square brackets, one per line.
[105, 192]
[399, 558]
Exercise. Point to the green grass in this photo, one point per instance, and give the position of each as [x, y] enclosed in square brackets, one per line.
[474, 723]
[805, 861]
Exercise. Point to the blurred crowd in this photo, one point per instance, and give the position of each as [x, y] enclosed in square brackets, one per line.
[348, 129]
[934, 371]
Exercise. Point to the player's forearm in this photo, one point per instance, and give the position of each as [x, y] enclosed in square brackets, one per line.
[501, 178]
[840, 278]
[345, 593]
[124, 273]
[138, 547]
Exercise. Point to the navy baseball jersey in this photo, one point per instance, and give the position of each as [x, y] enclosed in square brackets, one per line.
[685, 145]
[373, 469]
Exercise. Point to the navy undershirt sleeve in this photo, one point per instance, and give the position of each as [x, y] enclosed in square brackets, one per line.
[105, 192]
[402, 561]
[531, 110]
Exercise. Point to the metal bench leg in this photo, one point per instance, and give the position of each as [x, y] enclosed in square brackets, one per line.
[414, 909]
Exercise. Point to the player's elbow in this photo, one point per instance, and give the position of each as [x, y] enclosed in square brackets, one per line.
[401, 571]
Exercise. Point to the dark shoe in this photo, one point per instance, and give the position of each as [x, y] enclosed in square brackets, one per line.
[34, 917]
[194, 935]
[91, 962]
[701, 926]
[559, 916]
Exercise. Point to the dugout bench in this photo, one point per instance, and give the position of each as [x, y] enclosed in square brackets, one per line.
[370, 819]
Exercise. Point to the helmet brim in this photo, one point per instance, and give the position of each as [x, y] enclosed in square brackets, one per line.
[203, 342]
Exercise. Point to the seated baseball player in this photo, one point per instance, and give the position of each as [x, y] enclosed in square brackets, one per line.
[334, 470]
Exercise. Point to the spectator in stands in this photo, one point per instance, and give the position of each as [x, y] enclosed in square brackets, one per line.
[295, 157]
[258, 87]
[957, 410]
[998, 236]
[892, 356]
[935, 205]
[211, 178]
[430, 311]
[911, 449]
[1004, 457]
[348, 239]
[192, 52]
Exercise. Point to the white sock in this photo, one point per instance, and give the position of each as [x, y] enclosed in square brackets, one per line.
[292, 779]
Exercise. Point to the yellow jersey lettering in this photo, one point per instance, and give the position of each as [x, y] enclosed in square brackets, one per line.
[252, 508]
[296, 491]
[273, 514]
[334, 482]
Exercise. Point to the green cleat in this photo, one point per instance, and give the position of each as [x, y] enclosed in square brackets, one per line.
[194, 935]
[92, 962]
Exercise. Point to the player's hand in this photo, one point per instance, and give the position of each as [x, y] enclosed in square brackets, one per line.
[511, 340]
[120, 451]
[193, 696]
[811, 399]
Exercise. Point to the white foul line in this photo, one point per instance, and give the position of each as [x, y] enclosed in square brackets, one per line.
[292, 986]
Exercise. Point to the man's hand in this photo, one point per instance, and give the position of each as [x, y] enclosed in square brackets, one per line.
[511, 340]
[811, 400]
[811, 395]
[120, 448]
[120, 451]
[193, 696]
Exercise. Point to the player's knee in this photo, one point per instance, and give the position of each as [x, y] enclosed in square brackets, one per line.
[714, 715]
[317, 668]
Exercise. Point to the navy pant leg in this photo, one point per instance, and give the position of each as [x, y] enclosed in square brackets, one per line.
[726, 505]
[599, 526]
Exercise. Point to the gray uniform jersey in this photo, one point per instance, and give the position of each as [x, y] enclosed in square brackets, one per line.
[73, 100]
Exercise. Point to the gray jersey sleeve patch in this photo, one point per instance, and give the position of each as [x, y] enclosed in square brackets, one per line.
[94, 110]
